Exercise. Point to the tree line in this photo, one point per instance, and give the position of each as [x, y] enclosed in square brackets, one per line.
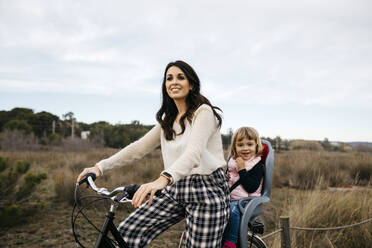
[49, 129]
[24, 126]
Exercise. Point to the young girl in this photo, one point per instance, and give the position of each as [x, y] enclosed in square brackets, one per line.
[245, 173]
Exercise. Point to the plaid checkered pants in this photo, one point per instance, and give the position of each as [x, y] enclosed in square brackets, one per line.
[202, 199]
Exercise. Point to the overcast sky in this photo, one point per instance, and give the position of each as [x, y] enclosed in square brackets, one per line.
[298, 69]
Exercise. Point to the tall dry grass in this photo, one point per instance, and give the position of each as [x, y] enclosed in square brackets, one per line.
[304, 144]
[64, 167]
[304, 169]
[301, 182]
[322, 208]
[301, 169]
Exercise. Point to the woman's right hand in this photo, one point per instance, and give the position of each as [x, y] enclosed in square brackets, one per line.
[93, 169]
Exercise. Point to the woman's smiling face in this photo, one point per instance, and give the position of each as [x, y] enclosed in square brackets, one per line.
[177, 84]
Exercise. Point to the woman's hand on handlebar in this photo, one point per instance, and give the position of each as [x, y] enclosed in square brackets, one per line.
[148, 188]
[93, 169]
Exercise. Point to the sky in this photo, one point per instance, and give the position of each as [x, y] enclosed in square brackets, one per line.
[294, 69]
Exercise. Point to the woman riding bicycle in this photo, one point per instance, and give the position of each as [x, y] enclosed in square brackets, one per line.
[193, 179]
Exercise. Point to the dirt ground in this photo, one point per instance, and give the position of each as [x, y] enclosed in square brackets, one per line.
[52, 228]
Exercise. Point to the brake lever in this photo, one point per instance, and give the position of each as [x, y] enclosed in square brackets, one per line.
[123, 195]
[131, 190]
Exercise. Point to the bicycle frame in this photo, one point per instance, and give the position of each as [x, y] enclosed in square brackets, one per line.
[108, 226]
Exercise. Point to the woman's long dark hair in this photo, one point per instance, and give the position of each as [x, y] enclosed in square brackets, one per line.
[168, 111]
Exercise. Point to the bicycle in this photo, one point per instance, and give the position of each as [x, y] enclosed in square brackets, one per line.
[126, 194]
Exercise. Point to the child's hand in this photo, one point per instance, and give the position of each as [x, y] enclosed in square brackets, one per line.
[240, 163]
[227, 177]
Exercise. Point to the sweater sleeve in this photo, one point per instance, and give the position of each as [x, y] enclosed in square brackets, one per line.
[203, 125]
[250, 180]
[135, 150]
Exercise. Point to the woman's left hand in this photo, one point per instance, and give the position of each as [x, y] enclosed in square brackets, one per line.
[148, 188]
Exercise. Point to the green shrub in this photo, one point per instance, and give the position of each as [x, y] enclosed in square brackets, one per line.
[22, 166]
[362, 173]
[3, 163]
[15, 208]
[10, 215]
[15, 214]
[28, 187]
[54, 139]
[18, 125]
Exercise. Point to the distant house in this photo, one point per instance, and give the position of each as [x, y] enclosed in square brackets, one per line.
[85, 134]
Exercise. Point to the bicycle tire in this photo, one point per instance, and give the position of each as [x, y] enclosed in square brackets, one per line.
[255, 241]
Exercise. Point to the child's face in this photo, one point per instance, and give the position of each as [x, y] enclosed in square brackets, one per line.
[245, 148]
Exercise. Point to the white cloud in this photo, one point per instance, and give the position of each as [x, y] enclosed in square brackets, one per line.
[308, 52]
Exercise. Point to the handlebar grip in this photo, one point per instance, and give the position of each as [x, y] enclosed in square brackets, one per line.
[130, 190]
[92, 175]
[85, 180]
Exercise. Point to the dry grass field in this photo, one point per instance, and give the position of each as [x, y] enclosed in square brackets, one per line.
[314, 188]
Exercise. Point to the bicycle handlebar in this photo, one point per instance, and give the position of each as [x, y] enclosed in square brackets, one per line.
[127, 191]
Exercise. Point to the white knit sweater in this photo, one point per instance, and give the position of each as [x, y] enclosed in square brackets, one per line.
[197, 151]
